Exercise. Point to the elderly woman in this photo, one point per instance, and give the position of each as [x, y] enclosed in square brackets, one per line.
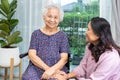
[102, 56]
[49, 47]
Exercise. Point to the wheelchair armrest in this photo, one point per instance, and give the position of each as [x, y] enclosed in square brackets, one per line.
[23, 55]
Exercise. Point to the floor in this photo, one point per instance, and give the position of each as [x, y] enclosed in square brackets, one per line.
[16, 78]
[2, 78]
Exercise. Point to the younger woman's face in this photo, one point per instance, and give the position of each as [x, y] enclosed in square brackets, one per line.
[91, 37]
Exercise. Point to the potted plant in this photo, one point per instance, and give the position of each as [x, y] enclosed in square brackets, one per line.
[8, 37]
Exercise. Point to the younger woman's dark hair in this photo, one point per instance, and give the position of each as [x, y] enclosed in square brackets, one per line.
[101, 28]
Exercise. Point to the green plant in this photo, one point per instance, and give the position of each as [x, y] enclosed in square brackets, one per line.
[8, 36]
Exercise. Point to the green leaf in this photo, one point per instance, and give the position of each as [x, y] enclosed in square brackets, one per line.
[5, 5]
[4, 27]
[3, 9]
[10, 15]
[13, 5]
[1, 41]
[4, 21]
[17, 40]
[11, 38]
[13, 23]
[3, 44]
[3, 34]
[2, 12]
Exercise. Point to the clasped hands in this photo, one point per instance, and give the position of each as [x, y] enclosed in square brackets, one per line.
[54, 74]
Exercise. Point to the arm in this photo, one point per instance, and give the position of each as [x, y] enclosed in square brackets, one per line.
[32, 53]
[71, 75]
[59, 65]
[36, 60]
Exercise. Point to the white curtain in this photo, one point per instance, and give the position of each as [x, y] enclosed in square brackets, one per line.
[30, 18]
[116, 19]
[106, 12]
[110, 9]
[105, 9]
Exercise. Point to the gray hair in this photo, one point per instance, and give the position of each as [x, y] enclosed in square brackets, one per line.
[50, 6]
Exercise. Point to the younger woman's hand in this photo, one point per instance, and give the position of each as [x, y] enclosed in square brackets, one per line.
[60, 75]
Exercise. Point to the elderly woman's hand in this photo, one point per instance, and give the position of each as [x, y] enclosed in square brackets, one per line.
[48, 73]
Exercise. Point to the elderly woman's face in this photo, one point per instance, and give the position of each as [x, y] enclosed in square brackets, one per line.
[90, 35]
[52, 18]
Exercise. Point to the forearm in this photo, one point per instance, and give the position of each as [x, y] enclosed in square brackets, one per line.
[71, 75]
[37, 61]
[59, 65]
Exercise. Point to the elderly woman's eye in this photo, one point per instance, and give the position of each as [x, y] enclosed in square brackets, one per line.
[56, 17]
[49, 16]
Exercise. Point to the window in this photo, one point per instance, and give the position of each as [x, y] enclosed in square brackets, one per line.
[77, 15]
